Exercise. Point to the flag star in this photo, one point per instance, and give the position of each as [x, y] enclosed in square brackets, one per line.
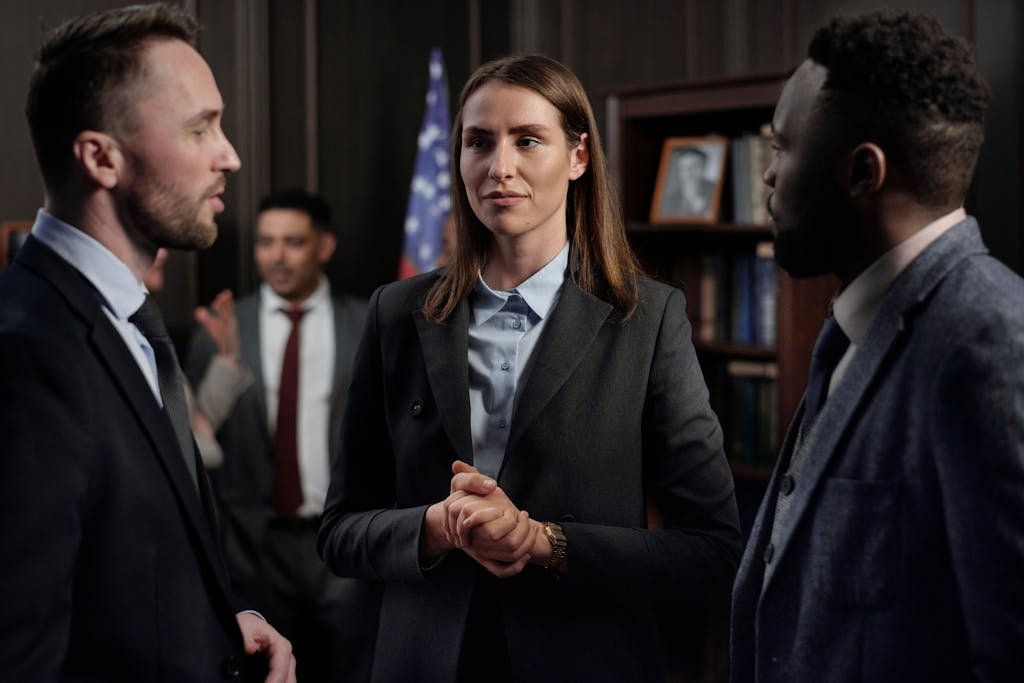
[423, 187]
[429, 200]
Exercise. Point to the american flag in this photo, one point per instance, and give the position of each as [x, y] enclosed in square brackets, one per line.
[429, 201]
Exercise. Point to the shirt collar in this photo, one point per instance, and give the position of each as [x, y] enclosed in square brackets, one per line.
[111, 277]
[272, 301]
[855, 307]
[540, 291]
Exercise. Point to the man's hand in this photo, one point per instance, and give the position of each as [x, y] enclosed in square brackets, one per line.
[259, 636]
[221, 324]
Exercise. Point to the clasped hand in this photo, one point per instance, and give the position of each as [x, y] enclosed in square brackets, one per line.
[479, 519]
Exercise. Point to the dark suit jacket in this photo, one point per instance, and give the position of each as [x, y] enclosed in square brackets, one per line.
[610, 415]
[111, 569]
[245, 482]
[903, 557]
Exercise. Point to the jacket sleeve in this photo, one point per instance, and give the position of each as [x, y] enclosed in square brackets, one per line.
[42, 490]
[977, 425]
[362, 534]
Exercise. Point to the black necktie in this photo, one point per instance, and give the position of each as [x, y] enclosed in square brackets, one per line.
[151, 323]
[828, 350]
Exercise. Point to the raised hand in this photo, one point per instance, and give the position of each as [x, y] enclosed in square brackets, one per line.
[221, 324]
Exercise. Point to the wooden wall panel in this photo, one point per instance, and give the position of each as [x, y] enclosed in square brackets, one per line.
[23, 24]
[998, 192]
[370, 68]
[288, 96]
[372, 81]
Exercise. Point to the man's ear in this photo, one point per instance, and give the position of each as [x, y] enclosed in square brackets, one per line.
[867, 170]
[580, 158]
[327, 244]
[99, 156]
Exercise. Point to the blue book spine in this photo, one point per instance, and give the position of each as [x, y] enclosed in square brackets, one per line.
[765, 295]
[743, 298]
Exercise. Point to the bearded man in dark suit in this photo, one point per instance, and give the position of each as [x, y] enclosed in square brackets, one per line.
[112, 571]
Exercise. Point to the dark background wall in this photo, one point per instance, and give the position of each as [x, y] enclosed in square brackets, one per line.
[329, 94]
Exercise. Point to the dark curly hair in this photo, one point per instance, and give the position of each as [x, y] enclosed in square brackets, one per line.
[901, 81]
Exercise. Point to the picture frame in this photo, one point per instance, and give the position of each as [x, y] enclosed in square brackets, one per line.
[691, 174]
[12, 236]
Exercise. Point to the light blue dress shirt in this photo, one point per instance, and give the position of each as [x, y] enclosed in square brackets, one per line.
[119, 292]
[503, 332]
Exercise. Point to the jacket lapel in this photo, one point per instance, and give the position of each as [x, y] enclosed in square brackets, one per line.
[574, 323]
[446, 355]
[125, 373]
[891, 324]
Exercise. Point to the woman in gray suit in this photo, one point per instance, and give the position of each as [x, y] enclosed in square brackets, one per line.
[528, 459]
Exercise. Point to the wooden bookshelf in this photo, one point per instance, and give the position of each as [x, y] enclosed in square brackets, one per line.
[639, 120]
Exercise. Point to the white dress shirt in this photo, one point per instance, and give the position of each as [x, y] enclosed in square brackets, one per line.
[316, 375]
[120, 293]
[855, 307]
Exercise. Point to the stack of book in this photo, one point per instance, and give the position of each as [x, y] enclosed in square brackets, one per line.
[751, 154]
[752, 425]
[737, 293]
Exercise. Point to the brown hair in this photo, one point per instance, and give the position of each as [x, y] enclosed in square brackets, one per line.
[602, 262]
[83, 77]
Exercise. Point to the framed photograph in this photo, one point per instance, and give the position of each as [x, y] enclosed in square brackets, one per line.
[12, 235]
[690, 179]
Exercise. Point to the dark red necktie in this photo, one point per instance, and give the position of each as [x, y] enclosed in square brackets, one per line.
[287, 486]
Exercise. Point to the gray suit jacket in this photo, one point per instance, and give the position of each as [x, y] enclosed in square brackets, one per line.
[610, 415]
[245, 482]
[903, 557]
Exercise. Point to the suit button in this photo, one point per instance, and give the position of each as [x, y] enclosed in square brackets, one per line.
[231, 667]
[786, 485]
[417, 408]
[768, 552]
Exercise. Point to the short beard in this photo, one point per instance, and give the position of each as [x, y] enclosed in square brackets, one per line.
[804, 251]
[164, 217]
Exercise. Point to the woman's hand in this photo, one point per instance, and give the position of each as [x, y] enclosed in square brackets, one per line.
[483, 522]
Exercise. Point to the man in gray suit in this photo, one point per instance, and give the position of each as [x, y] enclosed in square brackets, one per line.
[889, 545]
[297, 340]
